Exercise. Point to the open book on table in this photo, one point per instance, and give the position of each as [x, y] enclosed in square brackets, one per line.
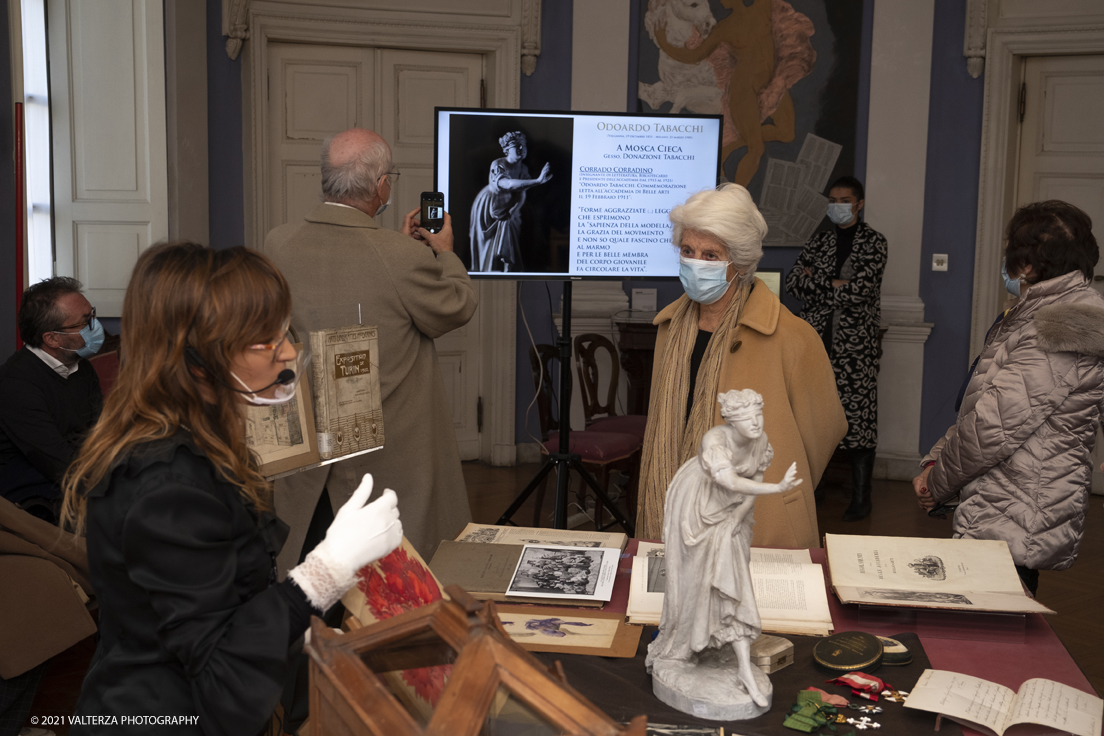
[789, 590]
[491, 534]
[915, 572]
[994, 709]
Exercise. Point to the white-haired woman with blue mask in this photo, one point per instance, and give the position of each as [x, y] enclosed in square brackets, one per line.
[729, 331]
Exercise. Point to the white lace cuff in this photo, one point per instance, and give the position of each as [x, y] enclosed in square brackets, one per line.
[323, 584]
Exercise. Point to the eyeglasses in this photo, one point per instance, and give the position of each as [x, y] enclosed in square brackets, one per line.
[273, 346]
[395, 174]
[81, 325]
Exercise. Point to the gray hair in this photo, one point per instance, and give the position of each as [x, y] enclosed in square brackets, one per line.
[728, 214]
[354, 180]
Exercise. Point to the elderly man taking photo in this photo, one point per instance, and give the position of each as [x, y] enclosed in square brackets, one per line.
[413, 288]
[49, 393]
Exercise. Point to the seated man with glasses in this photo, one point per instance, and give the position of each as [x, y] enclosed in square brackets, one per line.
[49, 393]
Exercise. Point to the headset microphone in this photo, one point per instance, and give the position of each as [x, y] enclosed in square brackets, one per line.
[192, 356]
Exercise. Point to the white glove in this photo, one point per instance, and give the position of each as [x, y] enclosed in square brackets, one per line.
[359, 535]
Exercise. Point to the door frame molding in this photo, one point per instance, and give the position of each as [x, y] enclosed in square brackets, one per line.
[999, 148]
[500, 45]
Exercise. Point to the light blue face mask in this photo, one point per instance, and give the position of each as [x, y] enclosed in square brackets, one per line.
[704, 281]
[840, 213]
[1013, 285]
[93, 334]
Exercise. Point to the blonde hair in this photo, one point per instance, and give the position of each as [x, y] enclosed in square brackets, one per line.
[184, 300]
[728, 214]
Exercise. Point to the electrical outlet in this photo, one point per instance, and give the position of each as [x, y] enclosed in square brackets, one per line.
[644, 300]
[939, 261]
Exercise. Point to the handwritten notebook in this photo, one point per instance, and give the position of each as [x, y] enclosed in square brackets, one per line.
[993, 708]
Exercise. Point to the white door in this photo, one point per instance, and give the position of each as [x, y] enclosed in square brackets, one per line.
[315, 91]
[1062, 150]
[107, 86]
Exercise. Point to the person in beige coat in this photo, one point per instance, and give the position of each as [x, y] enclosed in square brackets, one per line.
[729, 331]
[414, 289]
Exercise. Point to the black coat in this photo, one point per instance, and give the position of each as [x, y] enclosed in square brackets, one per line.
[43, 421]
[853, 314]
[192, 621]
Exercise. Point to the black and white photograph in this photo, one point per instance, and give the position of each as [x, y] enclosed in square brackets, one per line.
[657, 574]
[510, 192]
[571, 572]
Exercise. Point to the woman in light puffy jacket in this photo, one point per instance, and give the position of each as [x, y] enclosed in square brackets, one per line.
[1019, 455]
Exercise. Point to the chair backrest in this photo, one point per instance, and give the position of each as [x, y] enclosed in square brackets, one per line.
[587, 347]
[107, 369]
[540, 360]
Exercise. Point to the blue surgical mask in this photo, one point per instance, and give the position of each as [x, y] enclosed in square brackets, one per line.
[93, 334]
[704, 281]
[840, 213]
[1013, 285]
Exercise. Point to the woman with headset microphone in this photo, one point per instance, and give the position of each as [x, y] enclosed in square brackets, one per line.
[182, 538]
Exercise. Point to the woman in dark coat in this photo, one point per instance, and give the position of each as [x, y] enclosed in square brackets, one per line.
[196, 633]
[838, 276]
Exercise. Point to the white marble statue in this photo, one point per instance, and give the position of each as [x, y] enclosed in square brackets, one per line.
[701, 659]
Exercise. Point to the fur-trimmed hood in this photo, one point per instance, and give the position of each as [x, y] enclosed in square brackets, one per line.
[1072, 327]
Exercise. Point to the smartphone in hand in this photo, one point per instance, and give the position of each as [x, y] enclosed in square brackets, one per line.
[433, 211]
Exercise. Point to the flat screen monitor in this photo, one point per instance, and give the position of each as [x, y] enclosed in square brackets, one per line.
[570, 195]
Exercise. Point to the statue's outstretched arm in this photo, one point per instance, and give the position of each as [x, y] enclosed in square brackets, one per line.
[727, 477]
[513, 185]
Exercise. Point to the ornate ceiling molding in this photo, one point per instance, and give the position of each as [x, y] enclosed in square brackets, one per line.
[973, 45]
[530, 35]
[235, 25]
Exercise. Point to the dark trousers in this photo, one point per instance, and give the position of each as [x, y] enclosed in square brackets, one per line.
[16, 697]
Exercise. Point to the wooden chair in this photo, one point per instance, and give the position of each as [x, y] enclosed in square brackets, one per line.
[601, 415]
[601, 452]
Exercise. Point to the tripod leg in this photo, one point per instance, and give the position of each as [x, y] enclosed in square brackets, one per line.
[602, 496]
[507, 516]
[563, 477]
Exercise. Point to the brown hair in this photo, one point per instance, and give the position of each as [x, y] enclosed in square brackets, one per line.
[184, 300]
[1054, 238]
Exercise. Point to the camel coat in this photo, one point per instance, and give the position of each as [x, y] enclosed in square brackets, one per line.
[340, 257]
[782, 358]
[45, 580]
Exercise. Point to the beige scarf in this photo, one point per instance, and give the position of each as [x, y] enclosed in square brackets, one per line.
[670, 440]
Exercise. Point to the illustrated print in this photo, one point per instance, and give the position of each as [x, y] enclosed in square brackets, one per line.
[917, 596]
[930, 567]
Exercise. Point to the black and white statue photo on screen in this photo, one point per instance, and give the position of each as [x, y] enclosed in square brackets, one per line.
[504, 218]
[496, 213]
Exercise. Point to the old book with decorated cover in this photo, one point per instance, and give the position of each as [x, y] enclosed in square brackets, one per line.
[346, 386]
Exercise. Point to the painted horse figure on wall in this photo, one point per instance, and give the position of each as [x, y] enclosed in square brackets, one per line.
[754, 55]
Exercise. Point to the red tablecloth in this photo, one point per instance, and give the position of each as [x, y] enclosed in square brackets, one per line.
[949, 647]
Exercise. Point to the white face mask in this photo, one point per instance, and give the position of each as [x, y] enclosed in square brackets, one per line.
[390, 194]
[840, 213]
[704, 281]
[284, 393]
[285, 389]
